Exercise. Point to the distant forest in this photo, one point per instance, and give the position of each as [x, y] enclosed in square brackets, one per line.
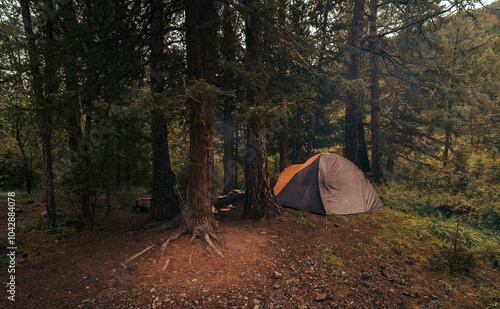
[102, 98]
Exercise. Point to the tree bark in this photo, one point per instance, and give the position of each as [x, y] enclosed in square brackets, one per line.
[44, 122]
[353, 100]
[260, 201]
[364, 161]
[27, 168]
[283, 151]
[228, 158]
[393, 128]
[228, 50]
[164, 204]
[201, 48]
[377, 172]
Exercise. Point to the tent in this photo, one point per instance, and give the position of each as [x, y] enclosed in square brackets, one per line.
[326, 184]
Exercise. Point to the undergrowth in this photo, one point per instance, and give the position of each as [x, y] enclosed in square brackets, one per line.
[461, 242]
[328, 255]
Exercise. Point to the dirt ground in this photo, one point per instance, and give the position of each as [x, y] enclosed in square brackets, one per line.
[299, 260]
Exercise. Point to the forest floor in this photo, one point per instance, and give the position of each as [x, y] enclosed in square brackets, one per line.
[299, 260]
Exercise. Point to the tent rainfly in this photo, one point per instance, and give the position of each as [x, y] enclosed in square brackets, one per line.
[326, 184]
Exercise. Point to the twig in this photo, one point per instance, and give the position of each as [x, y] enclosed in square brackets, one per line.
[166, 264]
[139, 254]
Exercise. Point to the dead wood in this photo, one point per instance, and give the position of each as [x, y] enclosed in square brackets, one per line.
[167, 262]
[138, 254]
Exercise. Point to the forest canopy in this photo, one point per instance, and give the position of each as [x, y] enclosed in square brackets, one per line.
[101, 97]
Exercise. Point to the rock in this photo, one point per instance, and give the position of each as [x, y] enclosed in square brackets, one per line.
[132, 267]
[320, 297]
[277, 275]
[446, 286]
[366, 276]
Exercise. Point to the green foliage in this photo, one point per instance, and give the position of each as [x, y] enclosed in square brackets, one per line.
[456, 255]
[328, 255]
[302, 223]
[463, 242]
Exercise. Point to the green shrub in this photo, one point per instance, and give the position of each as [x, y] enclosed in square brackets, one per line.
[302, 223]
[330, 257]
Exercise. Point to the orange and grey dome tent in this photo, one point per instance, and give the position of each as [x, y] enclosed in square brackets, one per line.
[326, 184]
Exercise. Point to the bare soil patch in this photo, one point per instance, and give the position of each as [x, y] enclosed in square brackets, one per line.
[299, 260]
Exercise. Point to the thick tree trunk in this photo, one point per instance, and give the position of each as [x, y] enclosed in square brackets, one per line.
[201, 20]
[202, 53]
[164, 204]
[260, 200]
[353, 100]
[43, 115]
[377, 173]
[201, 48]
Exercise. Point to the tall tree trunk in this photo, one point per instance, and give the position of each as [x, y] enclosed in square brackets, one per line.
[201, 48]
[282, 135]
[27, 168]
[50, 89]
[353, 100]
[228, 158]
[393, 127]
[228, 50]
[448, 132]
[377, 173]
[78, 137]
[163, 199]
[283, 150]
[44, 122]
[260, 200]
[447, 145]
[364, 161]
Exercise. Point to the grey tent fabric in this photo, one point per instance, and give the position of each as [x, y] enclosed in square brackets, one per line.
[327, 184]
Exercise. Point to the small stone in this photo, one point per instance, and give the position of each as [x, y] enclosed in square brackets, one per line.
[320, 297]
[132, 267]
[277, 275]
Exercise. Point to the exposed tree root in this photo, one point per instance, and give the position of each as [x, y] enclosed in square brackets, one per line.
[181, 231]
[205, 232]
[167, 262]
